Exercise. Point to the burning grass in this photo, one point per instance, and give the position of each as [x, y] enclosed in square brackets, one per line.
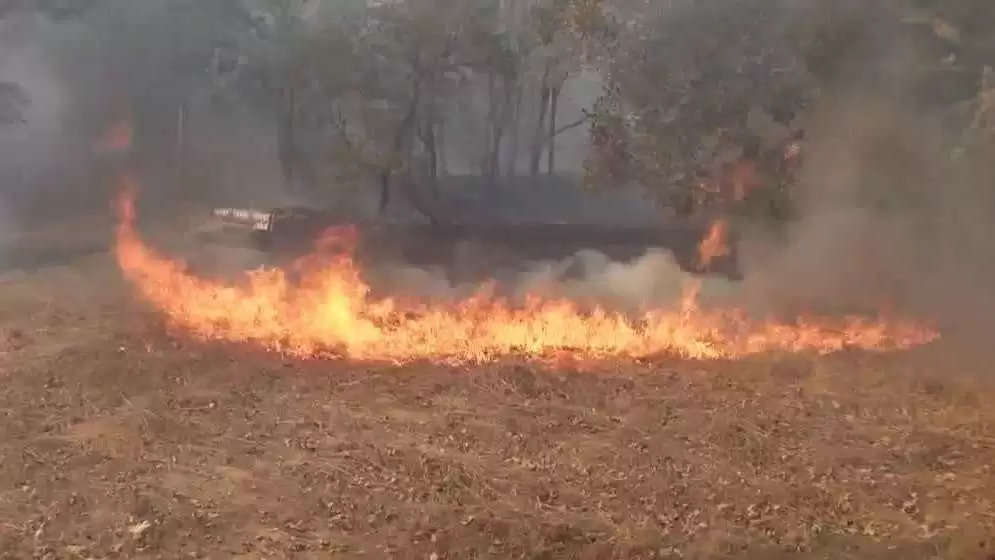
[125, 441]
[328, 310]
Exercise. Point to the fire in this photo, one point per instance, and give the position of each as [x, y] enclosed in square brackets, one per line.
[714, 245]
[328, 310]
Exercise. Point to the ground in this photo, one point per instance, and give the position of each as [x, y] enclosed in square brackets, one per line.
[119, 439]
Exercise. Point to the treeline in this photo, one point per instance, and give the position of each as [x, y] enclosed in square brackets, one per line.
[385, 95]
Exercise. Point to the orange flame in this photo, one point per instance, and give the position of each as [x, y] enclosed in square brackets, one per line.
[330, 311]
[714, 245]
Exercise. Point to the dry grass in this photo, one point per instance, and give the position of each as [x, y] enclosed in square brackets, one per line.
[119, 441]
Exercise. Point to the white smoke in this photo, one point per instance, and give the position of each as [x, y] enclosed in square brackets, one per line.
[651, 281]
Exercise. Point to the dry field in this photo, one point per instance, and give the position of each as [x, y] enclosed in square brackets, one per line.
[119, 440]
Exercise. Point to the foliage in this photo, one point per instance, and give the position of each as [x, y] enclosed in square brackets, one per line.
[374, 89]
[680, 89]
[683, 80]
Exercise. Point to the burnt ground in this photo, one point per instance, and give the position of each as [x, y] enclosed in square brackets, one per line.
[119, 440]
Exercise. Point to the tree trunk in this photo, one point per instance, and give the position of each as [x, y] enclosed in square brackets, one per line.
[181, 117]
[515, 132]
[410, 187]
[440, 148]
[384, 192]
[554, 100]
[433, 156]
[298, 170]
[429, 138]
[494, 166]
[180, 156]
[501, 119]
[538, 136]
[396, 152]
[285, 139]
[426, 208]
[487, 163]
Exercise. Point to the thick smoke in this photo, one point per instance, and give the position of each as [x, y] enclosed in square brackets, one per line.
[589, 278]
[895, 203]
[31, 144]
[886, 219]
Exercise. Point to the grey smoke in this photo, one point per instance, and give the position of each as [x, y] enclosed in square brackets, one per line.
[885, 220]
[651, 281]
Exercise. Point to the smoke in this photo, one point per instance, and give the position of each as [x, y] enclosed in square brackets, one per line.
[589, 278]
[895, 203]
[887, 216]
[32, 149]
[896, 212]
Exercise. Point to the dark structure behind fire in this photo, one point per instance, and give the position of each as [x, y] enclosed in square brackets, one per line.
[531, 222]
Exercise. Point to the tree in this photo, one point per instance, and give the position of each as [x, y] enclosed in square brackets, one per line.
[681, 83]
[684, 76]
[282, 54]
[556, 60]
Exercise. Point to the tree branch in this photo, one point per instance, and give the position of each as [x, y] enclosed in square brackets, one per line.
[587, 117]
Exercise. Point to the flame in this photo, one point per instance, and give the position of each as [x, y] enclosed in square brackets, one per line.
[714, 245]
[328, 311]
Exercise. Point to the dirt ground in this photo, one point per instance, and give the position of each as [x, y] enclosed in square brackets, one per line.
[119, 440]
